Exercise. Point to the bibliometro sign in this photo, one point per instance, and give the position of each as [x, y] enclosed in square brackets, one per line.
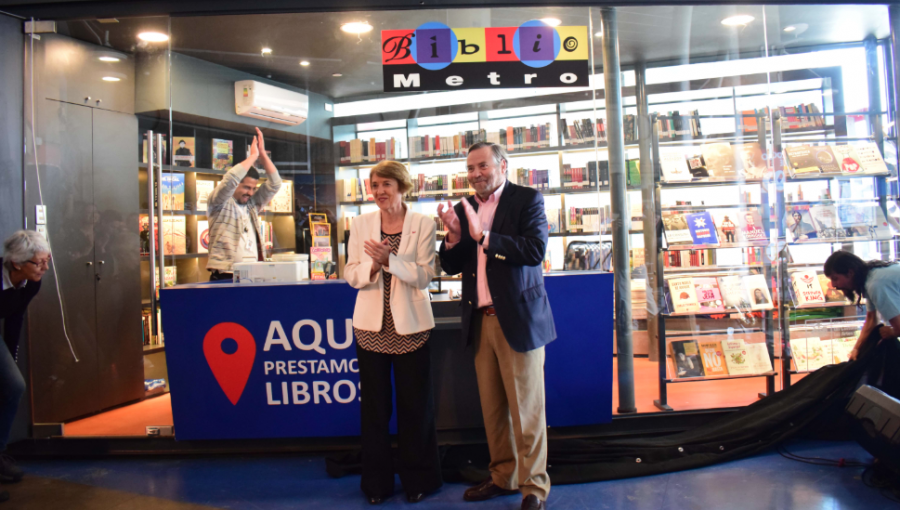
[437, 57]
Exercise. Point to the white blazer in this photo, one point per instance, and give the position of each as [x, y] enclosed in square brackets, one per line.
[412, 269]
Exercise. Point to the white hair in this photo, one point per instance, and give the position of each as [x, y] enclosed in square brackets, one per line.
[23, 245]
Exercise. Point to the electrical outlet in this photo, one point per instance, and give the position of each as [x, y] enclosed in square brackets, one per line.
[160, 430]
[40, 214]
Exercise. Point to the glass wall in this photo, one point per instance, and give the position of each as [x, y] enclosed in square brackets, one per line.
[753, 140]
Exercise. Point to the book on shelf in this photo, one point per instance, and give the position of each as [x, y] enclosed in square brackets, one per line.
[719, 160]
[750, 155]
[697, 167]
[184, 151]
[633, 176]
[587, 219]
[818, 353]
[726, 223]
[806, 287]
[760, 362]
[367, 150]
[734, 293]
[800, 353]
[630, 128]
[637, 213]
[602, 172]
[676, 228]
[145, 150]
[204, 189]
[674, 167]
[674, 125]
[801, 161]
[584, 131]
[433, 146]
[737, 357]
[870, 158]
[702, 228]
[825, 220]
[799, 223]
[172, 191]
[322, 265]
[758, 290]
[690, 258]
[170, 274]
[580, 178]
[684, 295]
[283, 201]
[202, 236]
[553, 221]
[859, 159]
[537, 179]
[709, 298]
[222, 154]
[686, 356]
[174, 238]
[637, 263]
[863, 220]
[751, 227]
[713, 359]
[841, 348]
[793, 116]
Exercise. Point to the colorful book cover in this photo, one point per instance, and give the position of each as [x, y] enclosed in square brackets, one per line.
[799, 223]
[174, 234]
[828, 163]
[841, 348]
[819, 353]
[172, 191]
[800, 353]
[146, 150]
[170, 275]
[806, 288]
[676, 227]
[686, 355]
[751, 227]
[847, 159]
[756, 288]
[758, 353]
[825, 219]
[202, 236]
[204, 189]
[702, 228]
[684, 296]
[753, 164]
[713, 358]
[222, 154]
[283, 201]
[674, 167]
[709, 297]
[553, 220]
[719, 160]
[870, 158]
[736, 357]
[184, 151]
[734, 294]
[801, 161]
[727, 223]
[322, 266]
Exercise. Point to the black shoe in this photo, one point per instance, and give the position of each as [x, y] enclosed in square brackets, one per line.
[415, 497]
[531, 502]
[376, 501]
[486, 490]
[9, 471]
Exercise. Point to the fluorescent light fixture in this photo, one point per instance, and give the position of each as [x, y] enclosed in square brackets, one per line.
[356, 27]
[111, 78]
[109, 59]
[790, 28]
[553, 22]
[267, 51]
[304, 63]
[740, 19]
[153, 37]
[337, 75]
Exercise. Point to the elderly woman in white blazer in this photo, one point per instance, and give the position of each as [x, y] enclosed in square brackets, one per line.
[390, 259]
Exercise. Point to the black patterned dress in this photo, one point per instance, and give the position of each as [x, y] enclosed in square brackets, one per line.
[388, 341]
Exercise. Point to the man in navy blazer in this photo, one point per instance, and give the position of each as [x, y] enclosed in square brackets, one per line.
[497, 240]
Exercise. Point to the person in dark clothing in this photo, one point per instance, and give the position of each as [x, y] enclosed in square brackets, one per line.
[26, 257]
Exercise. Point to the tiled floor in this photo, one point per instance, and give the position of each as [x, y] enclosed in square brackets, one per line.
[767, 481]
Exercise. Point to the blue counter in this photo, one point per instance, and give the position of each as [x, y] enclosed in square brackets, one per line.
[279, 360]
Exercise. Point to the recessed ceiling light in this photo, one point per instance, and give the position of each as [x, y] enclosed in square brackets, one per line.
[111, 78]
[553, 22]
[153, 37]
[790, 28]
[267, 51]
[109, 59]
[337, 75]
[356, 27]
[740, 19]
[304, 63]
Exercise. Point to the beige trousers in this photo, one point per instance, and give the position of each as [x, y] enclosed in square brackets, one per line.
[511, 386]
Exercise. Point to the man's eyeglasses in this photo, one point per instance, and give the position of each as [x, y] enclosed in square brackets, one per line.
[40, 263]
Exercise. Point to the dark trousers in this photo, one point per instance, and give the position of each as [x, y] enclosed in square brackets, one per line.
[12, 387]
[419, 463]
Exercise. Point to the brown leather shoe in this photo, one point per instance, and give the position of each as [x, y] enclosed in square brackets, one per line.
[486, 490]
[531, 502]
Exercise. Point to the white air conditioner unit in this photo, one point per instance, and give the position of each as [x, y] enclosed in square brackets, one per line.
[272, 104]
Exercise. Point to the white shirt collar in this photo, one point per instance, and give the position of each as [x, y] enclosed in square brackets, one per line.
[7, 282]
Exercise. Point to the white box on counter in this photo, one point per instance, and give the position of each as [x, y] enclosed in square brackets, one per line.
[267, 272]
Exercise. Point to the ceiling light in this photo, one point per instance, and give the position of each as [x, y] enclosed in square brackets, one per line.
[740, 19]
[337, 75]
[153, 37]
[553, 22]
[304, 63]
[790, 28]
[267, 51]
[109, 59]
[111, 78]
[356, 27]
[598, 34]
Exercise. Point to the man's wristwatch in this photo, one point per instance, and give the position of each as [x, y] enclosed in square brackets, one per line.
[483, 235]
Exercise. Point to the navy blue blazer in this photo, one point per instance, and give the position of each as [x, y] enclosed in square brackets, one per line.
[515, 254]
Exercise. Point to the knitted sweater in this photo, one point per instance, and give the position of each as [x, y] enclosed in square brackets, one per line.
[225, 216]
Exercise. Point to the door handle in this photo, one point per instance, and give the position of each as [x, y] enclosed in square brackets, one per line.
[89, 264]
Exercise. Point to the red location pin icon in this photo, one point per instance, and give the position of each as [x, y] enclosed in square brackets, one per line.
[231, 370]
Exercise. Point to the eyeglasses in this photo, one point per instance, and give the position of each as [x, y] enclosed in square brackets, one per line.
[41, 263]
